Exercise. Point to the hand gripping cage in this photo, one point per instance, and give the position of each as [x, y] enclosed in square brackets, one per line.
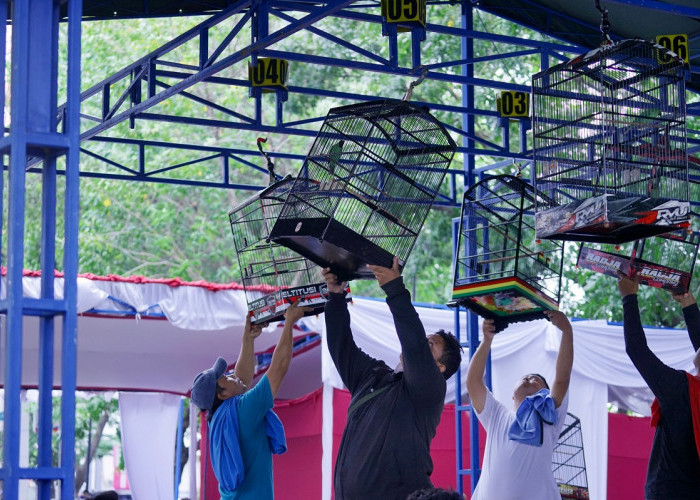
[610, 144]
[366, 187]
[273, 276]
[502, 271]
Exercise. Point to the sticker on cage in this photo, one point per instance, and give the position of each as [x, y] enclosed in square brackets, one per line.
[609, 260]
[607, 219]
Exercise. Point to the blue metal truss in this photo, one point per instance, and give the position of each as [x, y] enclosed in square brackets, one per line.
[160, 75]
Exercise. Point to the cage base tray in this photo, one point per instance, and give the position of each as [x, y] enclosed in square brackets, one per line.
[331, 244]
[505, 300]
[601, 220]
[271, 307]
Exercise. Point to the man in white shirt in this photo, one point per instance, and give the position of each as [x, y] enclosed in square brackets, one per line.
[519, 442]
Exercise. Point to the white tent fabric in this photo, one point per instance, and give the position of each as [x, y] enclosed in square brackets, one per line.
[117, 351]
[148, 423]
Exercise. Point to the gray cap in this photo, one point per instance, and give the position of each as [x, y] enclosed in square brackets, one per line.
[203, 391]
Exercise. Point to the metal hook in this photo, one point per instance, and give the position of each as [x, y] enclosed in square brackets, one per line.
[270, 165]
[415, 83]
[604, 24]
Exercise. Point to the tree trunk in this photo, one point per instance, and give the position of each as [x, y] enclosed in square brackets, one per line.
[81, 469]
[185, 453]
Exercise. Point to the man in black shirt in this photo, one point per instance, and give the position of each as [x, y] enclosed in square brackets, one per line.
[385, 450]
[674, 465]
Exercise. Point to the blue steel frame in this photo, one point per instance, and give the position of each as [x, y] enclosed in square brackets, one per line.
[151, 71]
[34, 145]
[34, 136]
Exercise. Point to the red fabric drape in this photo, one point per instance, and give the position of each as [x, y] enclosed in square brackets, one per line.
[629, 446]
[297, 473]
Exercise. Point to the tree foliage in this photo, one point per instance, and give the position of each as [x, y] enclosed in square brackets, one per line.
[94, 414]
[165, 230]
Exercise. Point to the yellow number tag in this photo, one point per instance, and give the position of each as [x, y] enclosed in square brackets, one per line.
[675, 43]
[269, 73]
[514, 104]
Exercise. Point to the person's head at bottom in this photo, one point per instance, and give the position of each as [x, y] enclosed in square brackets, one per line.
[106, 495]
[434, 494]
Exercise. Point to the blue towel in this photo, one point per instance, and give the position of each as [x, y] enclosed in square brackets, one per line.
[529, 417]
[226, 458]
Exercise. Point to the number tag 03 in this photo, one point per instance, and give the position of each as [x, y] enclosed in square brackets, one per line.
[514, 104]
[675, 43]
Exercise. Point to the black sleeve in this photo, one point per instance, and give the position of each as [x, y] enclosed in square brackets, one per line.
[424, 381]
[660, 378]
[352, 364]
[691, 314]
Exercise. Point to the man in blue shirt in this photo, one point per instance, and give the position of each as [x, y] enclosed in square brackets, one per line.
[243, 429]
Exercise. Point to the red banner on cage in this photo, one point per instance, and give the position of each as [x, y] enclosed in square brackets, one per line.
[272, 306]
[648, 273]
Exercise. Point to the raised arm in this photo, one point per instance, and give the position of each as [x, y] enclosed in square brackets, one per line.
[282, 355]
[691, 314]
[245, 366]
[350, 361]
[654, 372]
[565, 357]
[424, 380]
[477, 366]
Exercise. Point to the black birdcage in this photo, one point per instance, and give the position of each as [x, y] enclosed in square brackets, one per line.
[273, 276]
[665, 261]
[366, 187]
[568, 461]
[502, 271]
[610, 144]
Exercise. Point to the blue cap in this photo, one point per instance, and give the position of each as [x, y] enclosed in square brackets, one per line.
[203, 391]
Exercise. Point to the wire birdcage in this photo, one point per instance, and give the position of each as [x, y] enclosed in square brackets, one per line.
[273, 276]
[610, 145]
[502, 270]
[665, 261]
[569, 462]
[366, 187]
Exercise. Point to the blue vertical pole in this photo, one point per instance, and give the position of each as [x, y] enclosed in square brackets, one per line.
[70, 254]
[3, 62]
[467, 54]
[47, 87]
[178, 448]
[417, 36]
[260, 29]
[46, 325]
[15, 242]
[458, 379]
[392, 33]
